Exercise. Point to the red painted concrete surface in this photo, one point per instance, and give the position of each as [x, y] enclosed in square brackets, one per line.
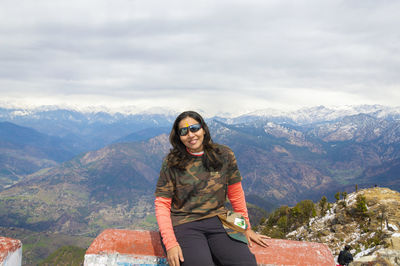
[147, 243]
[7, 246]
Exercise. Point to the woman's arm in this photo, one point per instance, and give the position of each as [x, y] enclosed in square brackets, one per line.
[163, 215]
[238, 201]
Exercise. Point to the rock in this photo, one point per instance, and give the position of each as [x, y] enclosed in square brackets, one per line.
[337, 228]
[389, 255]
[325, 232]
[394, 243]
[340, 235]
[384, 257]
[363, 260]
[340, 219]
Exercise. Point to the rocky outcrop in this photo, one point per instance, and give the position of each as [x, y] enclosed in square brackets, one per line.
[373, 232]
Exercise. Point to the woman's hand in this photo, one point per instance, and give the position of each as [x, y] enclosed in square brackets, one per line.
[259, 239]
[174, 256]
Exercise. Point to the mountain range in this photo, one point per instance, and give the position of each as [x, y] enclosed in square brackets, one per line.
[85, 130]
[283, 158]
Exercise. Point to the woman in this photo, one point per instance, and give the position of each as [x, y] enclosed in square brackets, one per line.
[195, 179]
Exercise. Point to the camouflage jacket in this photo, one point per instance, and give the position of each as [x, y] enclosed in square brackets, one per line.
[197, 193]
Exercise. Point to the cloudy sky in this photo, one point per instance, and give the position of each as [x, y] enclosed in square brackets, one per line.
[218, 56]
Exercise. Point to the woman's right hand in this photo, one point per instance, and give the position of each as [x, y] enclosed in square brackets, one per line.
[174, 256]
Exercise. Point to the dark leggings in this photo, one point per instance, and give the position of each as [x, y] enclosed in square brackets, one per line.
[205, 243]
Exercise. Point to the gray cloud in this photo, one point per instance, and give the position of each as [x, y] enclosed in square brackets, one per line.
[219, 55]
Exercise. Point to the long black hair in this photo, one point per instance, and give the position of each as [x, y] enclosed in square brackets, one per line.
[179, 157]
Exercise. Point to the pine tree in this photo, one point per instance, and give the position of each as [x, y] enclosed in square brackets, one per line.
[344, 195]
[337, 196]
[322, 204]
[361, 205]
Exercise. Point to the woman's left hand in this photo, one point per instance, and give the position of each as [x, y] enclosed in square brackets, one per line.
[257, 238]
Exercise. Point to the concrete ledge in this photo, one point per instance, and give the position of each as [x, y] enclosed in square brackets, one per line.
[289, 252]
[128, 248]
[10, 252]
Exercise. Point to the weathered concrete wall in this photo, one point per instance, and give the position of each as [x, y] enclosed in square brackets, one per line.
[125, 248]
[128, 248]
[10, 252]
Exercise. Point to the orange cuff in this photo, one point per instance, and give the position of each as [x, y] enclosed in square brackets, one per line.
[238, 201]
[163, 215]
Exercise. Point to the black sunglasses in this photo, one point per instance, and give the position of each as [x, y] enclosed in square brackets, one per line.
[185, 130]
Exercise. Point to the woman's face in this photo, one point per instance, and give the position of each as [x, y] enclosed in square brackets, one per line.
[192, 140]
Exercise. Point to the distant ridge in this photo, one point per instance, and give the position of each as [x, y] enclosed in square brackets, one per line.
[24, 151]
[300, 115]
[317, 114]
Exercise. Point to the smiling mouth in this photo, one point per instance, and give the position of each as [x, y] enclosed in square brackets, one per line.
[193, 141]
